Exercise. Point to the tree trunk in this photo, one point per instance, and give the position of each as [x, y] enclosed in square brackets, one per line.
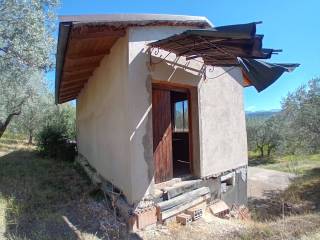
[16, 112]
[30, 137]
[2, 129]
[261, 151]
[270, 148]
[3, 126]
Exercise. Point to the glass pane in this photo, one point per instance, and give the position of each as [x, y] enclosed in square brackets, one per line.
[178, 116]
[186, 119]
[181, 116]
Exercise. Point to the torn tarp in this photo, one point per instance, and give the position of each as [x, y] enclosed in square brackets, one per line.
[262, 74]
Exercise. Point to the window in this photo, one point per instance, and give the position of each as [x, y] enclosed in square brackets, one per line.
[181, 123]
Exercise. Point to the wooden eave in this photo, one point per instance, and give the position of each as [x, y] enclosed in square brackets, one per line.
[85, 48]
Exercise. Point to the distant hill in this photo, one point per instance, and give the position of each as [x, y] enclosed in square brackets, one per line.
[262, 114]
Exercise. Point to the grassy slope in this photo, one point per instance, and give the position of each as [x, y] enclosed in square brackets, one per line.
[297, 164]
[35, 193]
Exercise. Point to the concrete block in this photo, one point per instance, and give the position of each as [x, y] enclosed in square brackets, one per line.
[219, 208]
[146, 217]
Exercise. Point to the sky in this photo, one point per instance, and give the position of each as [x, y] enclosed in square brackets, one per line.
[290, 25]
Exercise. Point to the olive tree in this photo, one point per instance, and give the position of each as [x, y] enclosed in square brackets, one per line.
[301, 112]
[264, 135]
[26, 47]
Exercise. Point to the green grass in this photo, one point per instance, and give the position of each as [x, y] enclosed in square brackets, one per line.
[36, 192]
[297, 164]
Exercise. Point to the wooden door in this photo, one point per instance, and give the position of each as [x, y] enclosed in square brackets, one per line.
[162, 134]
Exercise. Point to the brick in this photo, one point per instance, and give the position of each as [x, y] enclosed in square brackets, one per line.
[219, 208]
[184, 218]
[196, 212]
[146, 217]
[133, 223]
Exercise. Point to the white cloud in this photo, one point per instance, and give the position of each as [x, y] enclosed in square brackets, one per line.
[250, 108]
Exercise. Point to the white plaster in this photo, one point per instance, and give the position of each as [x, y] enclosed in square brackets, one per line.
[222, 121]
[102, 126]
[114, 113]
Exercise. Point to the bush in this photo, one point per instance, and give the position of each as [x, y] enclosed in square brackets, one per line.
[53, 141]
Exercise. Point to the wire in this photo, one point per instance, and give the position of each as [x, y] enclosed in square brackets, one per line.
[229, 70]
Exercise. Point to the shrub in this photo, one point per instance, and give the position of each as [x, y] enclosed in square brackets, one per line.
[53, 141]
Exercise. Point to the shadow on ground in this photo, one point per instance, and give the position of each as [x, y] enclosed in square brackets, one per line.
[260, 161]
[301, 197]
[50, 199]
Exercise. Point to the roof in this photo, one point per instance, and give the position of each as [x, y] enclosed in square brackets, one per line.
[262, 74]
[84, 40]
[138, 19]
[234, 45]
[220, 46]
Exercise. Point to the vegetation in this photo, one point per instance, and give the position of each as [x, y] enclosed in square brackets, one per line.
[294, 130]
[26, 50]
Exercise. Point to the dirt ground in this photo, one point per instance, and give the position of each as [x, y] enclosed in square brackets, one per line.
[261, 181]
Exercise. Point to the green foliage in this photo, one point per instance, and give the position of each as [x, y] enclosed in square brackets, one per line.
[301, 115]
[263, 135]
[56, 137]
[26, 50]
[295, 130]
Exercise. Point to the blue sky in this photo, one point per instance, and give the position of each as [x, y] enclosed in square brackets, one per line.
[291, 25]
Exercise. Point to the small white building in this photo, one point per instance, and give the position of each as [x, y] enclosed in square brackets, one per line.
[159, 101]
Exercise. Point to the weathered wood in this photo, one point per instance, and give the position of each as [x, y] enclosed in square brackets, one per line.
[180, 208]
[171, 192]
[81, 67]
[86, 33]
[88, 54]
[182, 199]
[162, 134]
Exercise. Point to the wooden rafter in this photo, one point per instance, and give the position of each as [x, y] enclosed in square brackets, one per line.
[90, 54]
[76, 82]
[81, 33]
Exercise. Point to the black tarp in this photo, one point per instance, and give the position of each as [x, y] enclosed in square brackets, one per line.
[262, 74]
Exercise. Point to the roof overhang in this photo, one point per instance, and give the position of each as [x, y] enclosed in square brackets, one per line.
[234, 45]
[84, 40]
[220, 46]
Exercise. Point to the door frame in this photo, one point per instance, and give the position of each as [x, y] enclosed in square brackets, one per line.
[186, 89]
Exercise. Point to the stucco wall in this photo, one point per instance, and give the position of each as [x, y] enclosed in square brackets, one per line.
[219, 134]
[223, 137]
[102, 128]
[140, 76]
[114, 113]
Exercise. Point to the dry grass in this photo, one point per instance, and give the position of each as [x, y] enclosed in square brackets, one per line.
[35, 194]
[297, 164]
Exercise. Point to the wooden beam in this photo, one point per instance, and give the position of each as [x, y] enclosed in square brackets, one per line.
[81, 55]
[81, 33]
[67, 89]
[76, 76]
[77, 82]
[75, 72]
[66, 99]
[88, 66]
[68, 96]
